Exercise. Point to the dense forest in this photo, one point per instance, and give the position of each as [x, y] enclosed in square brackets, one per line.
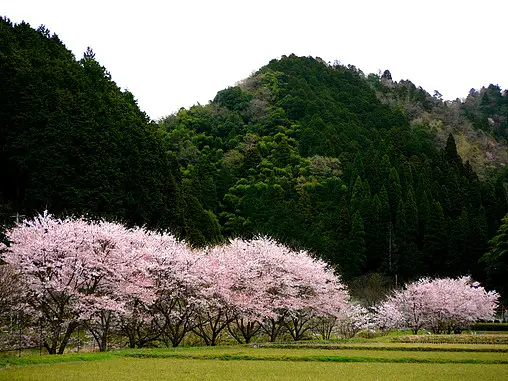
[72, 142]
[374, 176]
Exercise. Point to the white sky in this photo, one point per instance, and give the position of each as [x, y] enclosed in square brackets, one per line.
[173, 54]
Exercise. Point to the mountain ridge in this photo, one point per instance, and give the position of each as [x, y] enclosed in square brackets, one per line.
[360, 170]
[319, 157]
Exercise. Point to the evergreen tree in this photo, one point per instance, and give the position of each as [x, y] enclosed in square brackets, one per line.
[357, 196]
[394, 191]
[451, 154]
[72, 142]
[411, 215]
[376, 237]
[357, 248]
[496, 261]
[435, 244]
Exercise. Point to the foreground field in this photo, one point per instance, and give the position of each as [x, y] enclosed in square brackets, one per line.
[181, 370]
[294, 362]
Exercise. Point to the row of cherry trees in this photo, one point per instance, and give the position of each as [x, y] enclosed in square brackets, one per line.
[439, 305]
[149, 287]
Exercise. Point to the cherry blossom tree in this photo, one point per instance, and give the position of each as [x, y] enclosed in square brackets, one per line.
[388, 316]
[151, 287]
[441, 305]
[178, 276]
[119, 278]
[315, 291]
[458, 303]
[12, 314]
[220, 274]
[263, 284]
[10, 289]
[352, 320]
[74, 271]
[137, 324]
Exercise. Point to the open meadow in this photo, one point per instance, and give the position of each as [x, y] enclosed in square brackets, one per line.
[301, 361]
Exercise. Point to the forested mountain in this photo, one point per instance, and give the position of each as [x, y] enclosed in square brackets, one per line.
[478, 122]
[351, 167]
[72, 142]
[372, 175]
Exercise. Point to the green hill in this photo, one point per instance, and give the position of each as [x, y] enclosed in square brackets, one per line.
[373, 175]
[328, 159]
[72, 142]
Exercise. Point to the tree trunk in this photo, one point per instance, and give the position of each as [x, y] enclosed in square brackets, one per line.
[70, 330]
[273, 327]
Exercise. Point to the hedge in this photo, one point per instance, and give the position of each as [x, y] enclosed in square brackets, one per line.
[489, 327]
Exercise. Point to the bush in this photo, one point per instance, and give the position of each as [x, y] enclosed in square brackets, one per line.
[489, 327]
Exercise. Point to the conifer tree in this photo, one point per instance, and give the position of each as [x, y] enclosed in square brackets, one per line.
[357, 196]
[376, 237]
[394, 191]
[496, 260]
[451, 154]
[435, 244]
[357, 247]
[411, 215]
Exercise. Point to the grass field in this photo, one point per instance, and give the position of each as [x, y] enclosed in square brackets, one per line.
[181, 370]
[306, 361]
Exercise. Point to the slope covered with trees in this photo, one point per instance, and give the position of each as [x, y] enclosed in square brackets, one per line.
[324, 158]
[477, 122]
[72, 142]
[369, 174]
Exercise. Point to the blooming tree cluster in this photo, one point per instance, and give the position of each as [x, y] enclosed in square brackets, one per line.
[151, 288]
[76, 271]
[353, 319]
[148, 286]
[439, 305]
[262, 285]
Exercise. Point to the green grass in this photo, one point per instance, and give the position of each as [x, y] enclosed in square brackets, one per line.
[183, 370]
[295, 361]
[35, 359]
[327, 355]
[396, 346]
[451, 339]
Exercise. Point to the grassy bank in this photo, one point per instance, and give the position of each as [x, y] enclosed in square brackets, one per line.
[291, 361]
[182, 370]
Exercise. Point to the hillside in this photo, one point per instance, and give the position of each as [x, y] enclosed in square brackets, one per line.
[477, 122]
[326, 158]
[72, 142]
[372, 175]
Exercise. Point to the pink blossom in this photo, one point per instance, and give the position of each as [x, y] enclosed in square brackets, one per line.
[440, 305]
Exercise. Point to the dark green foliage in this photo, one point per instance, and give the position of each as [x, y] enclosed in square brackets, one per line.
[318, 156]
[233, 98]
[487, 109]
[305, 152]
[489, 326]
[451, 155]
[74, 143]
[354, 264]
[496, 260]
[436, 241]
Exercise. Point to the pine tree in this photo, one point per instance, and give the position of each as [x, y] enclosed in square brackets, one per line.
[376, 238]
[357, 196]
[459, 253]
[451, 154]
[496, 261]
[357, 247]
[435, 244]
[411, 215]
[394, 191]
